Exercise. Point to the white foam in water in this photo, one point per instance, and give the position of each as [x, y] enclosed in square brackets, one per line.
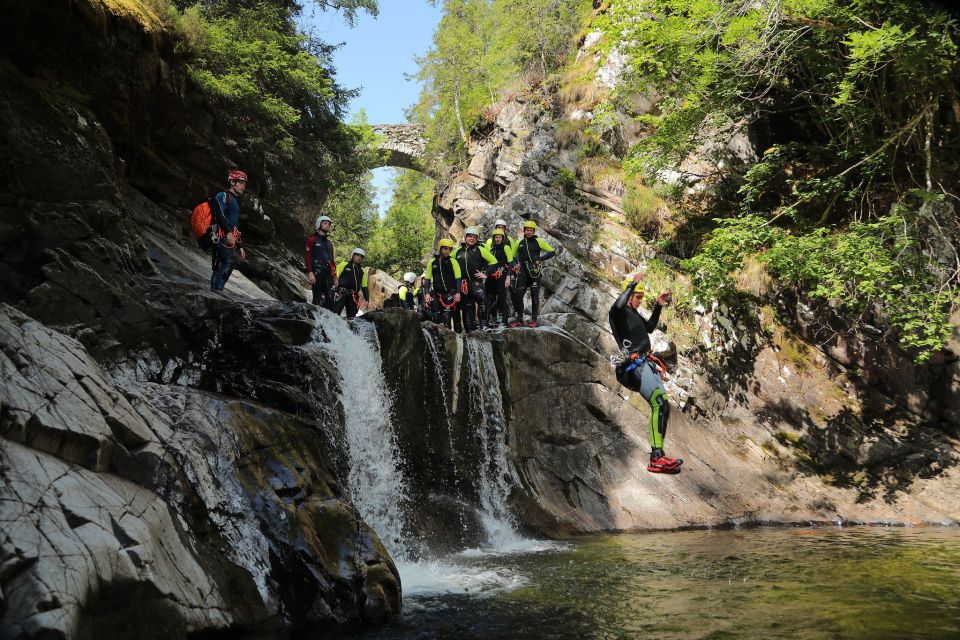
[435, 577]
[522, 545]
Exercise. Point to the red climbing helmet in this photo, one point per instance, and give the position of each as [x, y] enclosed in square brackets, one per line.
[236, 174]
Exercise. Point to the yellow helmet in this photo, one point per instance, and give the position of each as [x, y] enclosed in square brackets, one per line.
[497, 232]
[529, 224]
[446, 242]
[626, 283]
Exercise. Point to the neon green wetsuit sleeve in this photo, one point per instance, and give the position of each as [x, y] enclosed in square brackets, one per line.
[543, 244]
[487, 256]
[340, 268]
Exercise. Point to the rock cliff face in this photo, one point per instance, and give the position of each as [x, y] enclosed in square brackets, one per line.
[575, 443]
[786, 414]
[185, 455]
[169, 458]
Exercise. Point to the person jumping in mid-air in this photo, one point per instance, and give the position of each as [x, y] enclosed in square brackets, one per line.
[641, 369]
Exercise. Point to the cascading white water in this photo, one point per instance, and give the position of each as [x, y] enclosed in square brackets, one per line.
[376, 481]
[494, 480]
[377, 484]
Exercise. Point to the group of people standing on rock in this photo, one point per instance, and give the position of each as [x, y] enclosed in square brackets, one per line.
[474, 285]
[336, 287]
[467, 286]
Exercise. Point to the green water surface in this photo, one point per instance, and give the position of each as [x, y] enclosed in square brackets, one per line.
[756, 583]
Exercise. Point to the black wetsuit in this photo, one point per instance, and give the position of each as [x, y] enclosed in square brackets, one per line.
[318, 258]
[497, 296]
[351, 282]
[530, 251]
[473, 301]
[639, 373]
[443, 280]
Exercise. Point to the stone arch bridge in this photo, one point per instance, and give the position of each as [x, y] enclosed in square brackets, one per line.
[403, 145]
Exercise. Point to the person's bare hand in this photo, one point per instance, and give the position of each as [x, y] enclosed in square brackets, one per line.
[312, 279]
[664, 298]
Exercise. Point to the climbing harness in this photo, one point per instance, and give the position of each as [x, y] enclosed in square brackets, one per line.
[533, 271]
[443, 304]
[636, 360]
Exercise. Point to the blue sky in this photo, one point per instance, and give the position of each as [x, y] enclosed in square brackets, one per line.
[377, 53]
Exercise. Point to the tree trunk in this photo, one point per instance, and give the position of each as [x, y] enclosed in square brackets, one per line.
[456, 110]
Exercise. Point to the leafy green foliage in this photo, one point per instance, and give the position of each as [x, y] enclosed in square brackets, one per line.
[855, 102]
[881, 264]
[405, 235]
[642, 208]
[261, 75]
[271, 86]
[484, 50]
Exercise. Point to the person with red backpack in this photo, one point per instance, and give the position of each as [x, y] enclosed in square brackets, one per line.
[225, 237]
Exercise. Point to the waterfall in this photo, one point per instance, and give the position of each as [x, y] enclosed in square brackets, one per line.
[376, 482]
[486, 403]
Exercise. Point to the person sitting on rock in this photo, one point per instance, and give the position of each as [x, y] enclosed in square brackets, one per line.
[352, 290]
[641, 370]
[498, 284]
[225, 214]
[408, 294]
[476, 263]
[320, 263]
[442, 282]
[530, 254]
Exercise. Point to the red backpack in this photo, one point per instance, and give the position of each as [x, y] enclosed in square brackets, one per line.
[202, 219]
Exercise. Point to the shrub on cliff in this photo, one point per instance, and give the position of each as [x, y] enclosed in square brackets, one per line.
[271, 85]
[856, 103]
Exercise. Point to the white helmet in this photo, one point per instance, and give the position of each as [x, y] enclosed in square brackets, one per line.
[471, 231]
[359, 252]
[409, 277]
[322, 219]
[500, 223]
